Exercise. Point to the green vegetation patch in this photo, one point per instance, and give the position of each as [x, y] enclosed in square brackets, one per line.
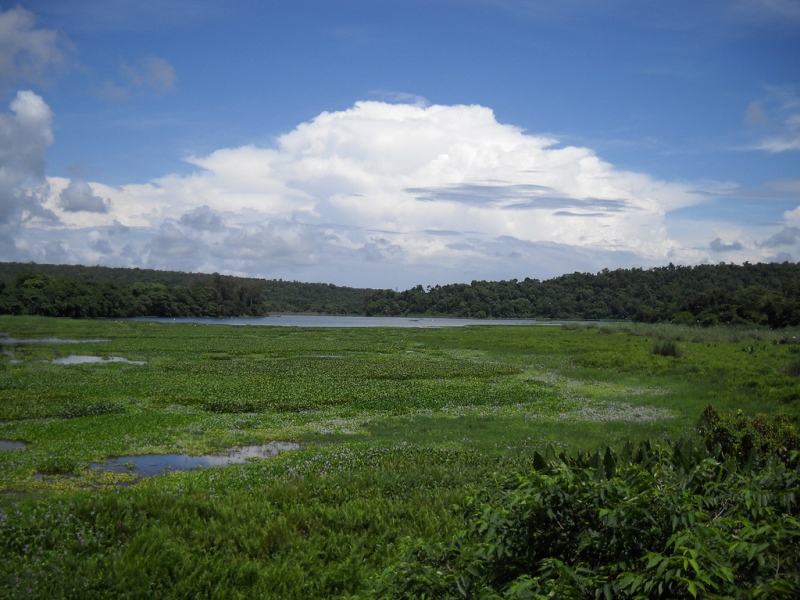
[398, 430]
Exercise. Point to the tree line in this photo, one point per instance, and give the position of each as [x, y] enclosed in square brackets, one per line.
[762, 294]
[756, 294]
[102, 292]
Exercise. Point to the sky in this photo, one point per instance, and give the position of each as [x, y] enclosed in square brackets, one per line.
[394, 143]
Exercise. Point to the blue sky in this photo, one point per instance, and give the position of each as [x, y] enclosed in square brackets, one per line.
[391, 143]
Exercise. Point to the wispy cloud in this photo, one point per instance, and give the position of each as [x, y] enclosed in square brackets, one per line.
[152, 74]
[27, 53]
[777, 119]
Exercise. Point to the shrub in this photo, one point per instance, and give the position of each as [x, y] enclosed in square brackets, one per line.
[667, 348]
[749, 439]
[73, 411]
[231, 406]
[656, 521]
[58, 465]
[794, 367]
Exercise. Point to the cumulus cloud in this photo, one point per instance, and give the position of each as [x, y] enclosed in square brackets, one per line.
[26, 53]
[78, 197]
[788, 236]
[203, 218]
[387, 194]
[24, 136]
[101, 246]
[718, 245]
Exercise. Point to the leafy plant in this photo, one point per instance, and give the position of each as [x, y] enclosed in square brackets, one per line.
[793, 369]
[749, 439]
[58, 465]
[74, 411]
[667, 348]
[655, 521]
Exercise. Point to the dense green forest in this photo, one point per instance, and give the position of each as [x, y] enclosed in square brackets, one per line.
[760, 294]
[78, 291]
[763, 294]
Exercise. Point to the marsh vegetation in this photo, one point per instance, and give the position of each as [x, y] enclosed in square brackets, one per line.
[406, 438]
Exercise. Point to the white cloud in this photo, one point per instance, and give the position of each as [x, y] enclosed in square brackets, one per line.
[388, 194]
[203, 218]
[26, 53]
[717, 245]
[78, 197]
[24, 136]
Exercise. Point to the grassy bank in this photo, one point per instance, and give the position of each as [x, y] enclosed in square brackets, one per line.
[396, 428]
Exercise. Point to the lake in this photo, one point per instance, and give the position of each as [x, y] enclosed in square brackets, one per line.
[337, 321]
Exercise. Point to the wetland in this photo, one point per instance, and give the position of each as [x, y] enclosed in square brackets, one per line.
[336, 448]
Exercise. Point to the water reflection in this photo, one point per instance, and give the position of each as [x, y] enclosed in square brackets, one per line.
[9, 341]
[75, 359]
[337, 321]
[147, 465]
[8, 445]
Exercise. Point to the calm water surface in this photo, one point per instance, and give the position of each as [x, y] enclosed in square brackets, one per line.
[148, 465]
[9, 445]
[333, 321]
[76, 359]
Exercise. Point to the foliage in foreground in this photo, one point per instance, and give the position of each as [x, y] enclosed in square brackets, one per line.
[652, 522]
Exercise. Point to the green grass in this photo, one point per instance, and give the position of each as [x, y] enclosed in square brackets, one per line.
[396, 427]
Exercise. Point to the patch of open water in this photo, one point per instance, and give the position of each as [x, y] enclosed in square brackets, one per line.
[147, 465]
[9, 341]
[74, 359]
[339, 321]
[9, 445]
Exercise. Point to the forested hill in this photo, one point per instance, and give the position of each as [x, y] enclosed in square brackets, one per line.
[764, 294]
[78, 291]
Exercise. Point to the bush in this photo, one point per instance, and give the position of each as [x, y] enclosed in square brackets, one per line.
[667, 348]
[794, 367]
[74, 411]
[58, 465]
[749, 439]
[663, 522]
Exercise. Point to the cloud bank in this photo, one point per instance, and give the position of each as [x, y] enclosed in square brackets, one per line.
[24, 136]
[381, 194]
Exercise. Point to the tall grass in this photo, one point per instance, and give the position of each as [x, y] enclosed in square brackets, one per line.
[667, 348]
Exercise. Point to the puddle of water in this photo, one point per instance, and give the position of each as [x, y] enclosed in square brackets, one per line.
[75, 359]
[6, 445]
[8, 341]
[147, 465]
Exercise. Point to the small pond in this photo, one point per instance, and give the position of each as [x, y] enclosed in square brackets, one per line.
[75, 359]
[9, 341]
[8, 445]
[147, 465]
